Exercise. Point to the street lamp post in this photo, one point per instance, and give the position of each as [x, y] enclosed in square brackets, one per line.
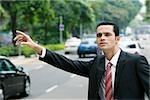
[61, 29]
[81, 31]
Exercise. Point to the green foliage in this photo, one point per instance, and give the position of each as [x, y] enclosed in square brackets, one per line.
[54, 46]
[120, 12]
[26, 51]
[147, 16]
[40, 18]
[3, 18]
[8, 51]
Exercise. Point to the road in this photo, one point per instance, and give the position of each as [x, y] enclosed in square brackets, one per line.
[51, 83]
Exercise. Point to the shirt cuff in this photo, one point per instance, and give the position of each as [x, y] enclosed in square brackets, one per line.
[43, 53]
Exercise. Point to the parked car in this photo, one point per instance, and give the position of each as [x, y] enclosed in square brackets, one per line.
[13, 80]
[71, 45]
[88, 46]
[131, 47]
[1, 95]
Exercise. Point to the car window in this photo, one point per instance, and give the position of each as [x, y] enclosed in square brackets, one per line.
[5, 65]
[10, 65]
[85, 42]
[131, 46]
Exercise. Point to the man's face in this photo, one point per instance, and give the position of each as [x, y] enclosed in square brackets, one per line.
[106, 39]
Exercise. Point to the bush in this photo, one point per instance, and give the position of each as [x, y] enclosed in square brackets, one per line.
[54, 46]
[26, 51]
[9, 51]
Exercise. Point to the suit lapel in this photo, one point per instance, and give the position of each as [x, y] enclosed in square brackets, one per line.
[100, 69]
[119, 68]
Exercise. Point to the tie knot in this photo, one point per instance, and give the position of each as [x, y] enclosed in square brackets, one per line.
[109, 64]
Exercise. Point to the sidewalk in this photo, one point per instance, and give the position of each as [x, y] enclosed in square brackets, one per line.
[19, 60]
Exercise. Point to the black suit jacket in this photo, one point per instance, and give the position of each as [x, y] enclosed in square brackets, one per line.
[131, 77]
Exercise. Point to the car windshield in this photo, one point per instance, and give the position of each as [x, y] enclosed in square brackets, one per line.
[73, 39]
[89, 41]
[84, 42]
[89, 36]
[127, 45]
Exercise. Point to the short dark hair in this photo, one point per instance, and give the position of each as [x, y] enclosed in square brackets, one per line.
[116, 28]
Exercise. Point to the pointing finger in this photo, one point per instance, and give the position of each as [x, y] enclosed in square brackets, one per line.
[19, 32]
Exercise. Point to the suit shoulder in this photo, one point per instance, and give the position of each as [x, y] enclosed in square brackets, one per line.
[133, 56]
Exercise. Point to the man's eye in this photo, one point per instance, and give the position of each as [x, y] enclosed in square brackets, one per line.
[107, 34]
[99, 35]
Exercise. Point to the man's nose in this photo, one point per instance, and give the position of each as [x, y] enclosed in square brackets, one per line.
[102, 37]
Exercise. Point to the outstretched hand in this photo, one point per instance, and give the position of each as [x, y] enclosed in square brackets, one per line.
[23, 39]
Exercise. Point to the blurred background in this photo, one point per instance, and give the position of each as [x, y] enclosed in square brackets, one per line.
[54, 21]
[68, 27]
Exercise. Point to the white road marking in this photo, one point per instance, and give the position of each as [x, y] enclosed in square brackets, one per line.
[39, 67]
[51, 88]
[73, 75]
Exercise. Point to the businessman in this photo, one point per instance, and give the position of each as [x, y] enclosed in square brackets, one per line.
[114, 75]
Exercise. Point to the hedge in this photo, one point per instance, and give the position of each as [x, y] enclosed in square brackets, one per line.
[26, 51]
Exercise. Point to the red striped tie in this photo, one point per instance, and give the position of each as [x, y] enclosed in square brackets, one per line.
[108, 83]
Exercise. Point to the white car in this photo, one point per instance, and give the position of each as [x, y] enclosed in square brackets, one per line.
[131, 47]
[71, 45]
[1, 95]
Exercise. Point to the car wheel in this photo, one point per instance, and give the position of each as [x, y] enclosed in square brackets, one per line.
[27, 88]
[83, 55]
[80, 56]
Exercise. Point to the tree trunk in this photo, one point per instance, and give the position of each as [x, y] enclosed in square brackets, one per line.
[45, 34]
[13, 26]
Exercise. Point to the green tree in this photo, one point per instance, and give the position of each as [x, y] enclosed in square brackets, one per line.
[120, 12]
[12, 7]
[3, 18]
[39, 17]
[147, 16]
[31, 16]
[74, 13]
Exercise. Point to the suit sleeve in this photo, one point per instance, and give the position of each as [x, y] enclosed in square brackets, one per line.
[74, 66]
[143, 70]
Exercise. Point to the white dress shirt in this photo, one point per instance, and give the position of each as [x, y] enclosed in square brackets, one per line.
[43, 53]
[114, 61]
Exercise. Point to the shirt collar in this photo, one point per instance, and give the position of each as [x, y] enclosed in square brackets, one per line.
[114, 58]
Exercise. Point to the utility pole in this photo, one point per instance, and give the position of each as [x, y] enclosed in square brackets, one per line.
[61, 29]
[81, 31]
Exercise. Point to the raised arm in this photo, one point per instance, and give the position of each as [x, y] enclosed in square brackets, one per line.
[59, 61]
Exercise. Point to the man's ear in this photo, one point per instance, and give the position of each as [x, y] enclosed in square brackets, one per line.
[118, 38]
